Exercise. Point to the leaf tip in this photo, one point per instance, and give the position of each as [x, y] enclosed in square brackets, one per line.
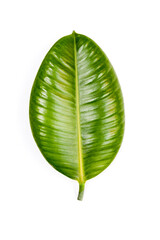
[73, 33]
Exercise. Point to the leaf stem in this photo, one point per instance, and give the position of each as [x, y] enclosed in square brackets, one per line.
[81, 191]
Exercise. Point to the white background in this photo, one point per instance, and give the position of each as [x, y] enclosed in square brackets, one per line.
[123, 202]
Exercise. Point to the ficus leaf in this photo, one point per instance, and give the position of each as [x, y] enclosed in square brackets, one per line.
[76, 109]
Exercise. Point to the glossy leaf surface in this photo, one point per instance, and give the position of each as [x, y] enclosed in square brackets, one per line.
[76, 109]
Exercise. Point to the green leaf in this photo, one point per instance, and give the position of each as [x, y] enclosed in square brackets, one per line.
[76, 109]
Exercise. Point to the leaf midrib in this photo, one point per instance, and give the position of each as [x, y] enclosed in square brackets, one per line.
[79, 139]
